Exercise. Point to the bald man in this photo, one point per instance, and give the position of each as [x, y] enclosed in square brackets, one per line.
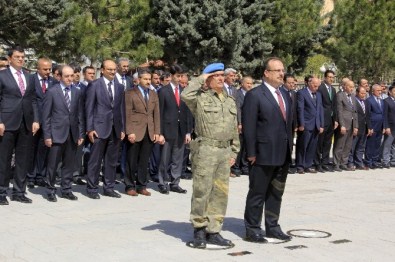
[105, 127]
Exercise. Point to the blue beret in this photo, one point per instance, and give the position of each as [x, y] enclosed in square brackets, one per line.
[213, 67]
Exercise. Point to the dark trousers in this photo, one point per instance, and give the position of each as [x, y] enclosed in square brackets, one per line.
[324, 146]
[21, 140]
[241, 163]
[137, 162]
[267, 184]
[306, 148]
[172, 157]
[106, 149]
[372, 151]
[39, 156]
[154, 161]
[77, 172]
[66, 153]
[358, 150]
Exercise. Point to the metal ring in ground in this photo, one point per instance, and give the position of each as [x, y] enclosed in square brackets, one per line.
[310, 233]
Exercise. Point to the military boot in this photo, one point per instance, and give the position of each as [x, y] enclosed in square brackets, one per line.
[199, 237]
[217, 239]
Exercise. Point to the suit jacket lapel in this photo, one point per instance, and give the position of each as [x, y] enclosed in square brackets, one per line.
[61, 95]
[137, 90]
[270, 97]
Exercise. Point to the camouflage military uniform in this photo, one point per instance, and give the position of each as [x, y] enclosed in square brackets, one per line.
[217, 141]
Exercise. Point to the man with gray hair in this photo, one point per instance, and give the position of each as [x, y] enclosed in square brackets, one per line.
[376, 107]
[230, 77]
[122, 72]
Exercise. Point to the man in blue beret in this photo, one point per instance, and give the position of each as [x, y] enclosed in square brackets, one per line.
[216, 129]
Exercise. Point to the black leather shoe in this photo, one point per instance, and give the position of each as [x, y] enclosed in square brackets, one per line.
[93, 195]
[386, 166]
[79, 181]
[163, 189]
[327, 168]
[52, 197]
[22, 199]
[112, 194]
[199, 238]
[217, 239]
[320, 169]
[69, 196]
[41, 183]
[187, 176]
[278, 234]
[337, 169]
[3, 201]
[300, 171]
[30, 184]
[178, 189]
[255, 238]
[310, 170]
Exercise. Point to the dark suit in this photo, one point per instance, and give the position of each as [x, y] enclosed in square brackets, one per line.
[17, 113]
[359, 141]
[267, 137]
[373, 142]
[107, 119]
[36, 170]
[230, 90]
[330, 116]
[241, 163]
[389, 122]
[144, 121]
[348, 119]
[175, 123]
[310, 116]
[64, 126]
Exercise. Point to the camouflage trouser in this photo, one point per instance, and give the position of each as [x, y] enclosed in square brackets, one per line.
[210, 168]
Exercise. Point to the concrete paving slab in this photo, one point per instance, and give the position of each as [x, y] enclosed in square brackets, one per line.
[356, 209]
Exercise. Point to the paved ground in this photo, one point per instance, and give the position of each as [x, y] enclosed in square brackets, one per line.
[357, 207]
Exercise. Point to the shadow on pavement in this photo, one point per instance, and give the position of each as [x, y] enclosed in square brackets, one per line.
[180, 230]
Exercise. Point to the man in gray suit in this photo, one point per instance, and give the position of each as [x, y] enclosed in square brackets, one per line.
[63, 128]
[348, 126]
[230, 77]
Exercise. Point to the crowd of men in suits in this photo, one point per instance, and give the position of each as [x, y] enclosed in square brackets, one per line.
[357, 122]
[58, 125]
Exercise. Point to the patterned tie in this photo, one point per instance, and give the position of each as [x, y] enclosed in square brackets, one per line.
[176, 94]
[281, 104]
[229, 90]
[43, 86]
[314, 98]
[146, 96]
[20, 82]
[363, 106]
[124, 81]
[110, 93]
[67, 97]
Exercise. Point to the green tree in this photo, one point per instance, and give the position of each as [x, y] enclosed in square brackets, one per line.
[107, 29]
[34, 24]
[296, 31]
[363, 38]
[195, 33]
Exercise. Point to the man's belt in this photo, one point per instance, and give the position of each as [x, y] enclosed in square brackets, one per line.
[214, 142]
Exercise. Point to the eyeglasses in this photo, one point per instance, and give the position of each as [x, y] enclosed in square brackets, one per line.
[276, 70]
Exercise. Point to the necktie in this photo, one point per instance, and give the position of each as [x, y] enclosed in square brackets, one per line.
[110, 92]
[123, 81]
[281, 103]
[146, 96]
[314, 97]
[20, 82]
[363, 106]
[229, 90]
[378, 101]
[43, 86]
[67, 97]
[176, 94]
[330, 92]
[349, 99]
